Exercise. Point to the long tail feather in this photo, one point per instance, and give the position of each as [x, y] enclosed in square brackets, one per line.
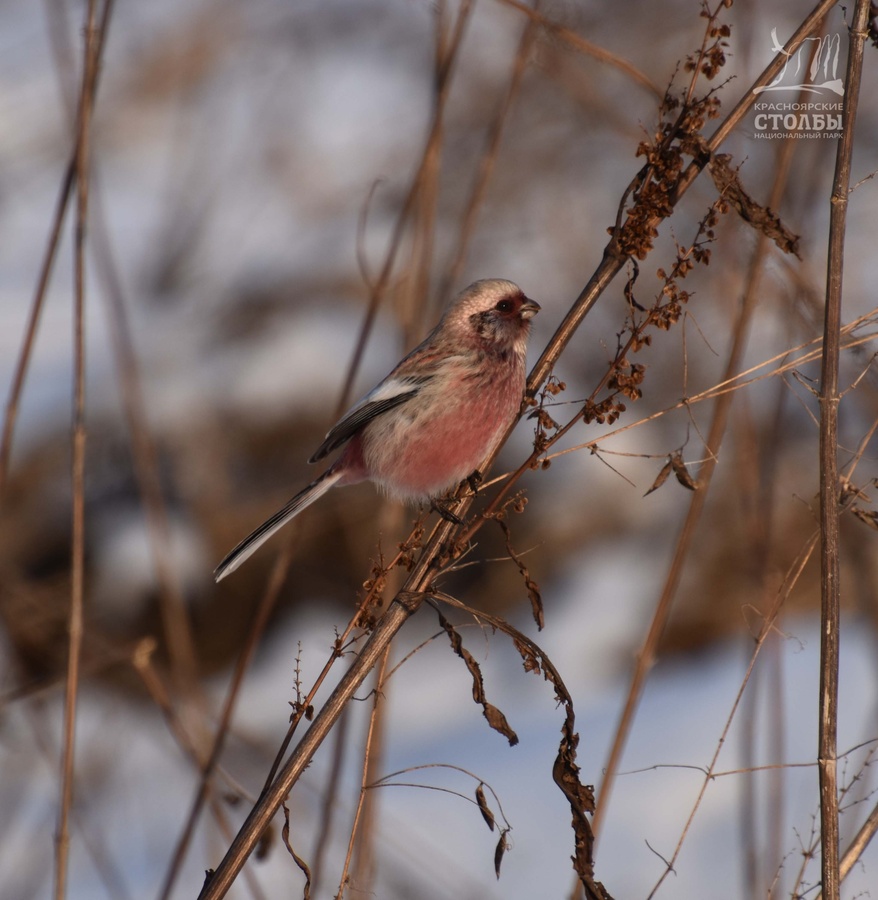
[254, 541]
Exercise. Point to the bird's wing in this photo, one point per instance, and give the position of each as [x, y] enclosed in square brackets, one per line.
[392, 392]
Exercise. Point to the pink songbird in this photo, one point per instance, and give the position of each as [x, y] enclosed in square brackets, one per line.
[435, 418]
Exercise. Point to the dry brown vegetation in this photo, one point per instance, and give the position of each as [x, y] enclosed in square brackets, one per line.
[703, 413]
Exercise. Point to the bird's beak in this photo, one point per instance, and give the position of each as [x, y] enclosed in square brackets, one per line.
[529, 308]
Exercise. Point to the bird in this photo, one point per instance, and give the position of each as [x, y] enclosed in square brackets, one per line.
[432, 421]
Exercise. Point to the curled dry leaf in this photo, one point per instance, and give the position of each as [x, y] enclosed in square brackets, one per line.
[866, 516]
[484, 809]
[285, 834]
[502, 847]
[682, 473]
[565, 771]
[533, 589]
[495, 718]
[759, 217]
[661, 478]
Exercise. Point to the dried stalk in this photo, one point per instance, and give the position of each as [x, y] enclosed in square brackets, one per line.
[78, 434]
[829, 484]
[21, 366]
[647, 652]
[368, 762]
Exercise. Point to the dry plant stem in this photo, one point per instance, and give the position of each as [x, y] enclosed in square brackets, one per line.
[46, 266]
[646, 655]
[810, 350]
[829, 499]
[423, 231]
[175, 622]
[489, 158]
[377, 703]
[338, 652]
[587, 48]
[158, 691]
[766, 629]
[857, 847]
[178, 635]
[612, 261]
[859, 843]
[92, 842]
[445, 67]
[403, 606]
[760, 478]
[333, 783]
[77, 576]
[409, 599]
[260, 621]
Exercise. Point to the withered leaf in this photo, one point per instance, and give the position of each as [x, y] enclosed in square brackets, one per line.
[498, 722]
[661, 478]
[533, 589]
[303, 866]
[495, 718]
[867, 517]
[759, 217]
[565, 771]
[502, 846]
[484, 809]
[682, 473]
[528, 657]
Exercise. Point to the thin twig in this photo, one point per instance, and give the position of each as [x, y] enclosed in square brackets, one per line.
[78, 434]
[377, 703]
[646, 655]
[443, 84]
[488, 160]
[584, 46]
[202, 792]
[829, 485]
[46, 267]
[783, 593]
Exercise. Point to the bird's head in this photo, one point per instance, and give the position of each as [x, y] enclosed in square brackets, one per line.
[494, 312]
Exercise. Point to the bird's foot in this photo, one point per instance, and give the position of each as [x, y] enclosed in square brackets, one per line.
[474, 481]
[441, 507]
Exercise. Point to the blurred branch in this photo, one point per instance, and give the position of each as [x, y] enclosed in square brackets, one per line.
[78, 435]
[207, 769]
[48, 262]
[829, 482]
[365, 780]
[489, 157]
[175, 619]
[446, 54]
[586, 47]
[768, 623]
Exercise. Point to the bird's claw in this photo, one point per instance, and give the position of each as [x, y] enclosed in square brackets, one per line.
[441, 507]
[474, 481]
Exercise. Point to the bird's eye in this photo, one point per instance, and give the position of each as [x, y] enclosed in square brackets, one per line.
[504, 306]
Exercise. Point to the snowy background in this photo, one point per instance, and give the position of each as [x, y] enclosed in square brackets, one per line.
[247, 158]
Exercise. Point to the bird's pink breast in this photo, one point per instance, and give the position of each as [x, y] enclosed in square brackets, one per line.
[423, 449]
